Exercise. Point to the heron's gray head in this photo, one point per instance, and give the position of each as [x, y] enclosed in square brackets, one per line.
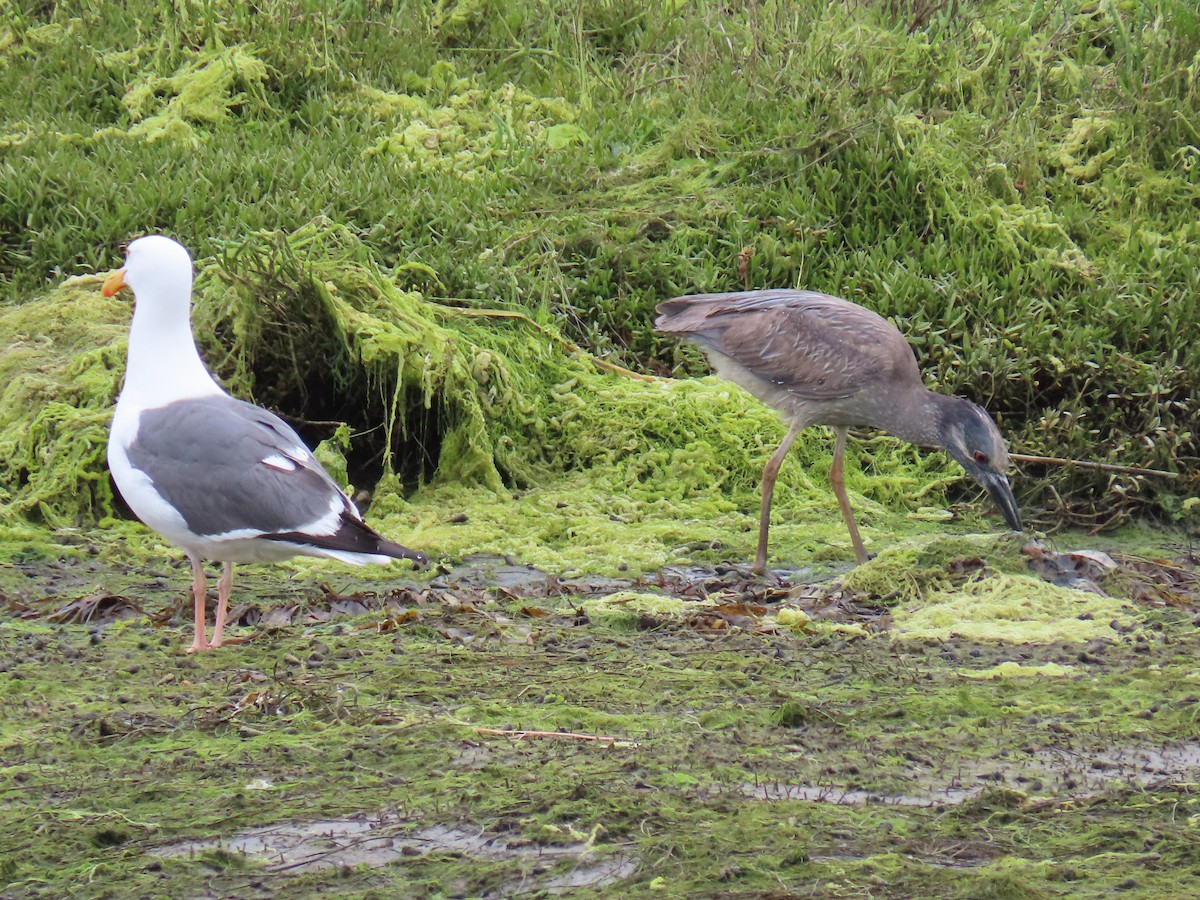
[973, 439]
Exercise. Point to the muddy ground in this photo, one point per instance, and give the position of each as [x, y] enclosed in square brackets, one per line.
[493, 731]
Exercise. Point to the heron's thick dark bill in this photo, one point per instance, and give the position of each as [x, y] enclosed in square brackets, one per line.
[998, 489]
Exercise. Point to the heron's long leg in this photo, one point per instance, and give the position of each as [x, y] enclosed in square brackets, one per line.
[199, 594]
[770, 473]
[836, 480]
[224, 589]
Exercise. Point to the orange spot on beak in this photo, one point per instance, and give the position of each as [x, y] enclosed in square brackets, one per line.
[114, 282]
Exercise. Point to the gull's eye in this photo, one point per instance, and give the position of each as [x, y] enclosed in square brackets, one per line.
[981, 458]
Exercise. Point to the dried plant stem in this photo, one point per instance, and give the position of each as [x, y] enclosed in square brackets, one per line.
[1088, 464]
[567, 735]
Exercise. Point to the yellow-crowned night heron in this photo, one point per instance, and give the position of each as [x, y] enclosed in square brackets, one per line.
[821, 360]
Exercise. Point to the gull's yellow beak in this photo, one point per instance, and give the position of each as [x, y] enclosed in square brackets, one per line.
[114, 282]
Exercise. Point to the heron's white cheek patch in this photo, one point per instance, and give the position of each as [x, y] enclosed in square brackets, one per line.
[282, 463]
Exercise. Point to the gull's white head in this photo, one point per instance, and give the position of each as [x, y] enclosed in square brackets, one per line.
[154, 266]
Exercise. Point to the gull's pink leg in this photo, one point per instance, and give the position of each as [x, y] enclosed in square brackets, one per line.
[770, 473]
[224, 588]
[199, 595]
[837, 481]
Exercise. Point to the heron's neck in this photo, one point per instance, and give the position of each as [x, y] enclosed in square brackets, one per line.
[163, 364]
[917, 417]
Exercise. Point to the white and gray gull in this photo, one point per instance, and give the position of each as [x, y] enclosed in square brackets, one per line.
[221, 478]
[821, 360]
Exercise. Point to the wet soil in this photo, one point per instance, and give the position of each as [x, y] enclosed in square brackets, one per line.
[479, 733]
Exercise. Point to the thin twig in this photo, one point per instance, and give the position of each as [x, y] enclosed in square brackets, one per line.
[645, 87]
[568, 735]
[621, 370]
[1088, 464]
[317, 423]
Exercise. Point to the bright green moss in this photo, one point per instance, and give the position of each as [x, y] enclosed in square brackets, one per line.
[59, 378]
[1016, 609]
[626, 609]
[1016, 670]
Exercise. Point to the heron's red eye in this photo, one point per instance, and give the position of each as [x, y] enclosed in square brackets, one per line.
[981, 457]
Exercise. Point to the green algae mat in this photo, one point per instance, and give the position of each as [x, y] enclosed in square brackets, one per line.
[432, 236]
[493, 731]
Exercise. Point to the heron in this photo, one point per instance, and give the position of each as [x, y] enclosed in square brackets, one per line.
[822, 360]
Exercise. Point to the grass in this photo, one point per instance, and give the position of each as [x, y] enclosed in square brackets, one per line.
[1013, 183]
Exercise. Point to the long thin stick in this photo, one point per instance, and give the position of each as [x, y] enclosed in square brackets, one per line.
[568, 735]
[1088, 464]
[1047, 460]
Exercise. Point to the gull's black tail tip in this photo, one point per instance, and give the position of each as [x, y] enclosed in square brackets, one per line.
[399, 551]
[352, 536]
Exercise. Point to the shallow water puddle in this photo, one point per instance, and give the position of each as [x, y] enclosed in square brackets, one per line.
[847, 797]
[379, 840]
[598, 873]
[1050, 772]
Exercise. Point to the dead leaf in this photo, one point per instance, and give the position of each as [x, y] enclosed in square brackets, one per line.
[403, 617]
[741, 608]
[965, 564]
[279, 617]
[99, 607]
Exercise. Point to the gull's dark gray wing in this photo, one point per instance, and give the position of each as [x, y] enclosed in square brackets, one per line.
[228, 466]
[232, 468]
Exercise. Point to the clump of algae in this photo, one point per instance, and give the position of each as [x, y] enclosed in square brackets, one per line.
[919, 566]
[59, 378]
[628, 609]
[452, 124]
[1018, 609]
[1012, 669]
[202, 91]
[182, 107]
